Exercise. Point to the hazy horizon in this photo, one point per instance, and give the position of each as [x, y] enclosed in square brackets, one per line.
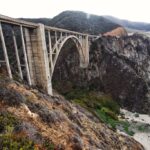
[129, 10]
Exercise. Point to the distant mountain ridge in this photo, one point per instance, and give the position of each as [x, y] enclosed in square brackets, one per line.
[78, 21]
[88, 23]
[83, 22]
[130, 24]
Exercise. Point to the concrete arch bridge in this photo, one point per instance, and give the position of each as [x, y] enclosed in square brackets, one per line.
[32, 50]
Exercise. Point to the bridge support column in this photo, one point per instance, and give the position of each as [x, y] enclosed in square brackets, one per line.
[40, 63]
[84, 58]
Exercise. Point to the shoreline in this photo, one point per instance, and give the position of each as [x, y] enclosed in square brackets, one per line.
[140, 124]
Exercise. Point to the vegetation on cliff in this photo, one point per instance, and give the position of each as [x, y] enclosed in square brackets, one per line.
[13, 137]
[99, 104]
[41, 122]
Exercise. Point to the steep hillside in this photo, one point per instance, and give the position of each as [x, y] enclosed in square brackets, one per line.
[82, 22]
[130, 24]
[32, 120]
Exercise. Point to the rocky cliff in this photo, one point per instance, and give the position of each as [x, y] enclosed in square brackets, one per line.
[118, 66]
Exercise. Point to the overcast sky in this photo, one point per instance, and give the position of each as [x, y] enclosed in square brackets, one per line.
[135, 10]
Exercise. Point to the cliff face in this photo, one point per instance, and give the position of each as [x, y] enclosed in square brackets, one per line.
[124, 70]
[31, 115]
[118, 66]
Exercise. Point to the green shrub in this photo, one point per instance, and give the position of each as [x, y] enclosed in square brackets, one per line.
[13, 143]
[76, 94]
[103, 116]
[7, 120]
[47, 145]
[110, 113]
[10, 140]
[80, 102]
[130, 132]
[126, 127]
[107, 102]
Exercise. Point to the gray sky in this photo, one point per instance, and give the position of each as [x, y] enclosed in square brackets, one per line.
[135, 10]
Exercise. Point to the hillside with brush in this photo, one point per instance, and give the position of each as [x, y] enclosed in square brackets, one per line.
[30, 119]
[79, 21]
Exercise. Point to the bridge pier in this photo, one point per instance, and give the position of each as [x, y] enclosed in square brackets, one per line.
[84, 58]
[38, 58]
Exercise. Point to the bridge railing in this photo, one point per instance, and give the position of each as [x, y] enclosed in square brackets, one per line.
[13, 46]
[55, 38]
[17, 22]
[63, 30]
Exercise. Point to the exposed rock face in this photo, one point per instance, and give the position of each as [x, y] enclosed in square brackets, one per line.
[67, 125]
[124, 69]
[120, 31]
[118, 66]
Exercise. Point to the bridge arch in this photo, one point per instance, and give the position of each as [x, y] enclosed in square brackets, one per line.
[59, 45]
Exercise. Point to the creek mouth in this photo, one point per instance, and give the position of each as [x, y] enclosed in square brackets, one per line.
[139, 125]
